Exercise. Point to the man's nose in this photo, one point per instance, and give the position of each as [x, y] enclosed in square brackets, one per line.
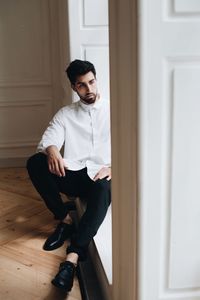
[88, 87]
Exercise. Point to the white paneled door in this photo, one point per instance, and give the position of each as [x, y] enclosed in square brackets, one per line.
[170, 150]
[88, 27]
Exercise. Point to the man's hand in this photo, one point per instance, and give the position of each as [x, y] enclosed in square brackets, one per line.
[55, 161]
[104, 172]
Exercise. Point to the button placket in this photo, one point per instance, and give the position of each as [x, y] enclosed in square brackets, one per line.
[91, 112]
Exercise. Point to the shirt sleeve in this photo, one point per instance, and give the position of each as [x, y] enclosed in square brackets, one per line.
[54, 134]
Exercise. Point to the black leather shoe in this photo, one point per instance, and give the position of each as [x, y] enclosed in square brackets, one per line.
[63, 232]
[65, 277]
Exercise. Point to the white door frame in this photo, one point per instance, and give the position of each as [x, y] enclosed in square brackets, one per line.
[124, 114]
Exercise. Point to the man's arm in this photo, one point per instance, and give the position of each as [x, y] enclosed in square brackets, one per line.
[55, 161]
[51, 143]
[103, 172]
[54, 134]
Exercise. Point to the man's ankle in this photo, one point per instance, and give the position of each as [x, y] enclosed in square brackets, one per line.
[73, 258]
[67, 220]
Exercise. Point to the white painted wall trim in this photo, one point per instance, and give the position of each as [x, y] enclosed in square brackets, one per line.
[142, 140]
[124, 102]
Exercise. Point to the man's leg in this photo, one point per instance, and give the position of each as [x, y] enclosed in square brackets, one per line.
[98, 201]
[49, 187]
[46, 184]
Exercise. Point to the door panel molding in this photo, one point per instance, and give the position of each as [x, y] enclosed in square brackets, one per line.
[34, 55]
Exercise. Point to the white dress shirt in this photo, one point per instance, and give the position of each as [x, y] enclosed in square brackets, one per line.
[85, 132]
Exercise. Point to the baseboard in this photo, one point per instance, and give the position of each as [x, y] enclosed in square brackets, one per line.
[13, 162]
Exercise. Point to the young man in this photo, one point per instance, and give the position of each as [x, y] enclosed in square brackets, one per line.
[84, 170]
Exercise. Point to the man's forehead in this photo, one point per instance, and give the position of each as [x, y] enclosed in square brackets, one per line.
[85, 78]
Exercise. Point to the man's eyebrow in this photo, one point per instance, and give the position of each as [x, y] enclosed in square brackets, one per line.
[83, 82]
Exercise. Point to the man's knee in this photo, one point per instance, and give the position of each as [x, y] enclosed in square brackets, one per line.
[35, 161]
[103, 189]
[103, 185]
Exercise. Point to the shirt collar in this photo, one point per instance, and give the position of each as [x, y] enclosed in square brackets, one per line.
[89, 107]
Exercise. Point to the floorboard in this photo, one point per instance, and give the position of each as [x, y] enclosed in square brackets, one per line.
[26, 270]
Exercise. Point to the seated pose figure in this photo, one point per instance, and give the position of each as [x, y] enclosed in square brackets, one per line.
[84, 170]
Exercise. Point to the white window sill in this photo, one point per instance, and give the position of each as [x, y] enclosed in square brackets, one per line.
[103, 242]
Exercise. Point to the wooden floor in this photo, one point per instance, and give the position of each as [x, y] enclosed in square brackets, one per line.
[26, 270]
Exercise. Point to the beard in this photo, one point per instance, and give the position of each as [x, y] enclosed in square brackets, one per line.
[89, 98]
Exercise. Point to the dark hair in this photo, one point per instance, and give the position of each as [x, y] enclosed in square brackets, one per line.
[79, 67]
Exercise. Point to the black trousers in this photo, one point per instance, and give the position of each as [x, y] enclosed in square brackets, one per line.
[76, 184]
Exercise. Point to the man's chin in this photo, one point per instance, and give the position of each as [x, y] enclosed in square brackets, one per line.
[89, 100]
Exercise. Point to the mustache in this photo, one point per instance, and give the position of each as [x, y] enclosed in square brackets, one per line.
[90, 94]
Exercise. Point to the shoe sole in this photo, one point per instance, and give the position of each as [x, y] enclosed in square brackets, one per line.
[64, 288]
[53, 248]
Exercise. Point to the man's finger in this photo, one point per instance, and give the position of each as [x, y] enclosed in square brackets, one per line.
[62, 169]
[56, 168]
[51, 167]
[96, 177]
